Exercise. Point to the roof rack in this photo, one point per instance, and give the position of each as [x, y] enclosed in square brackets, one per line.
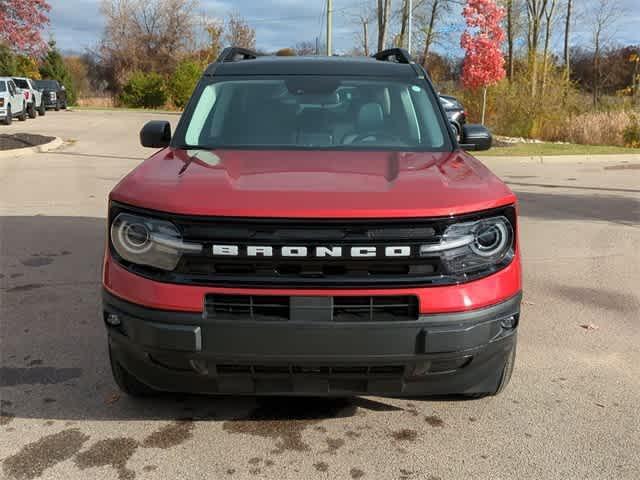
[397, 55]
[235, 54]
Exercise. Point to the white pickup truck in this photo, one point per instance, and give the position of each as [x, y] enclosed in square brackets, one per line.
[32, 95]
[12, 101]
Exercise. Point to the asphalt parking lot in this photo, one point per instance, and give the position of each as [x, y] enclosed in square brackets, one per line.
[571, 411]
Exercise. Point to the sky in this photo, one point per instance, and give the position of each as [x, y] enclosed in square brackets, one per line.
[77, 24]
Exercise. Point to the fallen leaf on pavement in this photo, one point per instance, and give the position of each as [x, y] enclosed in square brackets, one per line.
[112, 399]
[589, 326]
[599, 405]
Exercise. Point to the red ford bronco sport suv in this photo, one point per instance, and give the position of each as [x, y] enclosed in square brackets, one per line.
[312, 228]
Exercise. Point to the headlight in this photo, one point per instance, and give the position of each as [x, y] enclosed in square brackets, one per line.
[471, 246]
[147, 241]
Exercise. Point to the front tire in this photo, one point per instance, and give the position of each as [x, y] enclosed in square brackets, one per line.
[42, 110]
[23, 115]
[9, 119]
[57, 107]
[31, 111]
[126, 382]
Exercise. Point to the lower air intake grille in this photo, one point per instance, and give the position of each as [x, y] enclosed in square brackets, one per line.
[343, 308]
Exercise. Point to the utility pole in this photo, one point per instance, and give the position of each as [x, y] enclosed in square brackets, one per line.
[329, 27]
[410, 29]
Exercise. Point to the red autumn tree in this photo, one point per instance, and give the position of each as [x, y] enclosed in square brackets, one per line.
[21, 24]
[483, 61]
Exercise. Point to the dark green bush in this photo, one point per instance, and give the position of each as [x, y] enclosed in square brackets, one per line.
[183, 82]
[144, 90]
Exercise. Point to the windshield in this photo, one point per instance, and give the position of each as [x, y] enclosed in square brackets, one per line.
[48, 84]
[21, 83]
[314, 113]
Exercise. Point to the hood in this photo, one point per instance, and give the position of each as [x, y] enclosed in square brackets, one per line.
[312, 184]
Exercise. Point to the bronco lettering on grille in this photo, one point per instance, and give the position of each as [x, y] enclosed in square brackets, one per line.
[316, 252]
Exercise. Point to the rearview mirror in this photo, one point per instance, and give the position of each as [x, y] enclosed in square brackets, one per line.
[475, 137]
[156, 134]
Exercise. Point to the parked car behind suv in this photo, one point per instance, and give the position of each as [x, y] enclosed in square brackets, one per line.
[54, 94]
[312, 228]
[32, 95]
[455, 112]
[12, 101]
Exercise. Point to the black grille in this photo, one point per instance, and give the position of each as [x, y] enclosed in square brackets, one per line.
[342, 309]
[304, 272]
[248, 307]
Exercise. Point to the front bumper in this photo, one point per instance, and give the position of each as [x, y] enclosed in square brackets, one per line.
[50, 103]
[437, 354]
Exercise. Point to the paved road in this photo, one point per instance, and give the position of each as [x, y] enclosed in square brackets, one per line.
[571, 411]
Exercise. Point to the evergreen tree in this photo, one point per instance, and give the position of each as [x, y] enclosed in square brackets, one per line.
[54, 68]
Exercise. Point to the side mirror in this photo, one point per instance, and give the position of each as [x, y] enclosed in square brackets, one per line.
[475, 137]
[156, 134]
[63, 88]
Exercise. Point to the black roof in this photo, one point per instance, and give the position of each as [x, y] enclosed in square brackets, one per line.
[352, 66]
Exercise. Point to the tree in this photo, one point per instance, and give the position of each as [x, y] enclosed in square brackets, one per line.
[21, 24]
[286, 52]
[27, 66]
[567, 28]
[514, 25]
[215, 30]
[239, 33]
[548, 16]
[144, 90]
[53, 67]
[183, 82]
[7, 61]
[145, 35]
[604, 15]
[305, 48]
[634, 59]
[383, 13]
[364, 19]
[535, 13]
[428, 28]
[483, 62]
[510, 37]
[79, 73]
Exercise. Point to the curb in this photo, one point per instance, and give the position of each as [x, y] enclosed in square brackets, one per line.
[554, 159]
[57, 142]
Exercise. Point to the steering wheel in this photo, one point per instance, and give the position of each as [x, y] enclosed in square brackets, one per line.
[363, 137]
